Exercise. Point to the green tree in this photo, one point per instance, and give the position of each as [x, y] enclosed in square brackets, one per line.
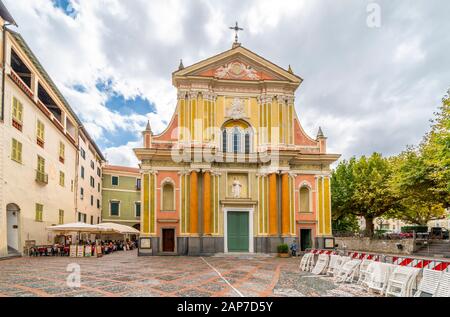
[435, 151]
[413, 184]
[363, 188]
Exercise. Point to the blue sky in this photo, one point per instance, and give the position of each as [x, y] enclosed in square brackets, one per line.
[65, 6]
[369, 88]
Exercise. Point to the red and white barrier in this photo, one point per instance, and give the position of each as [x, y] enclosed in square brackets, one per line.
[397, 260]
[422, 263]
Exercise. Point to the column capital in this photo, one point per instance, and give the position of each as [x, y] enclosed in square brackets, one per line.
[182, 94]
[209, 95]
[193, 94]
[148, 171]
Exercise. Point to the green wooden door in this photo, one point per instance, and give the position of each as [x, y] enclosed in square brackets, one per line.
[238, 233]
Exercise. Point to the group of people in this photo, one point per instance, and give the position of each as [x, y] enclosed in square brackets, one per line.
[117, 245]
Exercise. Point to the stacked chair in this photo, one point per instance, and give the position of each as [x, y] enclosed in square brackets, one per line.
[444, 286]
[384, 278]
[321, 265]
[429, 284]
[307, 262]
[402, 281]
[348, 272]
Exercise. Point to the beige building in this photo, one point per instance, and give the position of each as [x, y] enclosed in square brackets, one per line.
[39, 136]
[89, 180]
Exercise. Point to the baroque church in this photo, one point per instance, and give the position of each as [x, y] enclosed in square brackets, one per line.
[234, 171]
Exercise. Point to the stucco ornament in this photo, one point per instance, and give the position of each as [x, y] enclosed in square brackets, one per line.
[236, 70]
[236, 111]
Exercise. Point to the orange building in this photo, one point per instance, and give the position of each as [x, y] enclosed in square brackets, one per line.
[234, 171]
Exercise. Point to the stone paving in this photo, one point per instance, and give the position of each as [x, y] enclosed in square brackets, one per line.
[126, 275]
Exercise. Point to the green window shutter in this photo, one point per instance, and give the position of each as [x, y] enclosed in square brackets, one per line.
[114, 205]
[40, 130]
[61, 150]
[16, 151]
[41, 164]
[17, 110]
[138, 209]
[39, 212]
[61, 179]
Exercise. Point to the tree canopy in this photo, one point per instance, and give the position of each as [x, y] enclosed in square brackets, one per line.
[413, 186]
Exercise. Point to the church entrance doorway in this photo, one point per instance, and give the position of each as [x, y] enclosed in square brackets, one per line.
[305, 239]
[238, 231]
[168, 240]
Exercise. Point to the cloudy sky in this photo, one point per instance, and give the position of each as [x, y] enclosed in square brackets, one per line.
[374, 71]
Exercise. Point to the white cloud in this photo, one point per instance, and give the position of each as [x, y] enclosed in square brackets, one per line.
[409, 52]
[369, 89]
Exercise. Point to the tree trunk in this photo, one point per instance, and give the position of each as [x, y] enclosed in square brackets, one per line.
[369, 227]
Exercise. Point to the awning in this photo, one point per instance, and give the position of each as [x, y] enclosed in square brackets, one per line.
[81, 227]
[122, 229]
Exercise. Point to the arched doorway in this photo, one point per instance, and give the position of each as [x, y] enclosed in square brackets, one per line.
[13, 230]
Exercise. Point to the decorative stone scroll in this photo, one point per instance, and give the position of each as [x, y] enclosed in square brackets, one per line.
[236, 70]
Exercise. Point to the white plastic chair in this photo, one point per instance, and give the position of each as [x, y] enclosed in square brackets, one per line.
[340, 263]
[321, 265]
[348, 271]
[307, 262]
[369, 274]
[401, 281]
[380, 277]
[429, 282]
[444, 286]
[332, 265]
[363, 270]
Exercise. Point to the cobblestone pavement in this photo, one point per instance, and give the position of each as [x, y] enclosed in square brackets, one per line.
[125, 274]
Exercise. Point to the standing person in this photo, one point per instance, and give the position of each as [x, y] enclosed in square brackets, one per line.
[294, 248]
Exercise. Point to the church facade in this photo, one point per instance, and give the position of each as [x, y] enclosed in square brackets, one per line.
[234, 171]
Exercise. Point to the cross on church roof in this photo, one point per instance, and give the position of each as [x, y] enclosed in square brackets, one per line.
[236, 29]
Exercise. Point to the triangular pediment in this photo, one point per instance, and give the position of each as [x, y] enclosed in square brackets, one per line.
[238, 64]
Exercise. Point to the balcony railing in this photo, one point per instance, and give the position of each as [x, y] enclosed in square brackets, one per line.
[41, 177]
[21, 83]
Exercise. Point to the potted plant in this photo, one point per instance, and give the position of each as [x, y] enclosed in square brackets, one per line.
[283, 250]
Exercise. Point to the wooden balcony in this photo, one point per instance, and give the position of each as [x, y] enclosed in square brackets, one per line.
[21, 84]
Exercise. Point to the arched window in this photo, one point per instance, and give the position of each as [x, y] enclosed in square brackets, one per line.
[224, 140]
[247, 143]
[236, 140]
[168, 203]
[304, 199]
[237, 137]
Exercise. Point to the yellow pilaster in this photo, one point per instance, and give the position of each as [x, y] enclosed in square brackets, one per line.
[273, 216]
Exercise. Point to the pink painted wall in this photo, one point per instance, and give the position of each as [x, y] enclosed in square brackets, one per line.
[300, 137]
[311, 181]
[164, 215]
[169, 134]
